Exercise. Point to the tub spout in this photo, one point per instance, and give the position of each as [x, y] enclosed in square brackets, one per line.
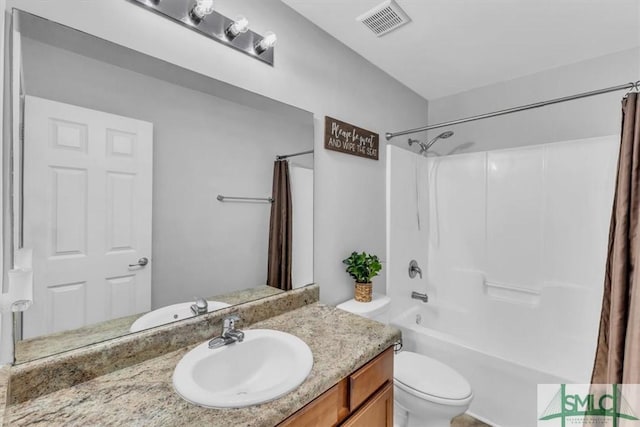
[422, 297]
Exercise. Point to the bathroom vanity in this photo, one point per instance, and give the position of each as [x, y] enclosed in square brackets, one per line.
[350, 382]
[364, 398]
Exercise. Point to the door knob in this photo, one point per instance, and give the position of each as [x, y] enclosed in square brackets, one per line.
[141, 262]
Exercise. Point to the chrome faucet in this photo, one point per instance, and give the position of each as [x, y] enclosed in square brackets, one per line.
[414, 269]
[422, 297]
[229, 329]
[229, 333]
[200, 307]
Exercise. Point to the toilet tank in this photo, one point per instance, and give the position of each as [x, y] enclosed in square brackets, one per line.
[377, 309]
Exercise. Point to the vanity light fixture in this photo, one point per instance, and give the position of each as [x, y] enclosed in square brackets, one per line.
[268, 41]
[200, 16]
[201, 9]
[239, 26]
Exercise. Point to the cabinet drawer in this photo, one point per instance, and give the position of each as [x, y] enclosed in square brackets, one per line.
[377, 412]
[368, 379]
[326, 410]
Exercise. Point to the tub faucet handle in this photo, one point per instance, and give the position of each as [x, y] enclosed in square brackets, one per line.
[414, 269]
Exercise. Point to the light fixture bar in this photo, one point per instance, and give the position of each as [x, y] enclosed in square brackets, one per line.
[213, 25]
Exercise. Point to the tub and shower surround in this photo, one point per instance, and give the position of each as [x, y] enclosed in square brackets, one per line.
[513, 245]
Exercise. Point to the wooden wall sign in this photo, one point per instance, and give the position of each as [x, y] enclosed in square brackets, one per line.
[346, 138]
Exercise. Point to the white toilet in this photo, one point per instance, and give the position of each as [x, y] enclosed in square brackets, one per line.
[427, 393]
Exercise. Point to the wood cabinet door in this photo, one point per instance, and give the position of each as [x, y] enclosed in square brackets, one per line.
[371, 377]
[325, 411]
[377, 412]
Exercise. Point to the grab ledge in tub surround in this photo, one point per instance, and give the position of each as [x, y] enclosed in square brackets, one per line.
[40, 377]
[143, 394]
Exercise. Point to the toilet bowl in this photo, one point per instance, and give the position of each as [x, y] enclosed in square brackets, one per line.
[431, 392]
[426, 392]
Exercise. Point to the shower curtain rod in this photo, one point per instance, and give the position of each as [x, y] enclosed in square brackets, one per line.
[632, 85]
[284, 156]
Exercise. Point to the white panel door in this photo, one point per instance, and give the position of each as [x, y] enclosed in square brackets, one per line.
[87, 215]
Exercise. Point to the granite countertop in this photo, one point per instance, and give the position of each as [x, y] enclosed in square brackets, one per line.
[4, 380]
[143, 394]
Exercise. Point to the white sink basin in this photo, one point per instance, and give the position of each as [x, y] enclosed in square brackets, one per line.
[171, 313]
[265, 366]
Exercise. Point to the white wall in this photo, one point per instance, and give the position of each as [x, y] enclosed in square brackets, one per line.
[584, 118]
[302, 225]
[313, 71]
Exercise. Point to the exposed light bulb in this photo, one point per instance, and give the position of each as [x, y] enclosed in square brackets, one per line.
[200, 10]
[238, 26]
[268, 41]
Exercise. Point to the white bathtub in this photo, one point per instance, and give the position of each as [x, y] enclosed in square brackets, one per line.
[504, 389]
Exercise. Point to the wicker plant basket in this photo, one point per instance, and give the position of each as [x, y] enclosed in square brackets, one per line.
[363, 292]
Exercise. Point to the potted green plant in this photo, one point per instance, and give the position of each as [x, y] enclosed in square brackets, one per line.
[363, 267]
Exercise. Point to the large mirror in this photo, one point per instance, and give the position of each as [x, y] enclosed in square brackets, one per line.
[139, 186]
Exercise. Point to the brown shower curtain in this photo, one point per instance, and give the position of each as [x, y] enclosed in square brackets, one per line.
[618, 352]
[279, 258]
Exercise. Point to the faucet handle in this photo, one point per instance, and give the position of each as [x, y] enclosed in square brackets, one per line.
[201, 303]
[229, 331]
[200, 307]
[230, 322]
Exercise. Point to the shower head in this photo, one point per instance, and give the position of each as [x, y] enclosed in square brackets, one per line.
[425, 146]
[443, 135]
[422, 145]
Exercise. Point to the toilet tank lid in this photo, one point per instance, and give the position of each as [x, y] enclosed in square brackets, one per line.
[379, 304]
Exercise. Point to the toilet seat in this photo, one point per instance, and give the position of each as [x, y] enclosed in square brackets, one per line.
[430, 379]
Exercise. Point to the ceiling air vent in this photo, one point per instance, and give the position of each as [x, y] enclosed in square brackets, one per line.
[384, 18]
